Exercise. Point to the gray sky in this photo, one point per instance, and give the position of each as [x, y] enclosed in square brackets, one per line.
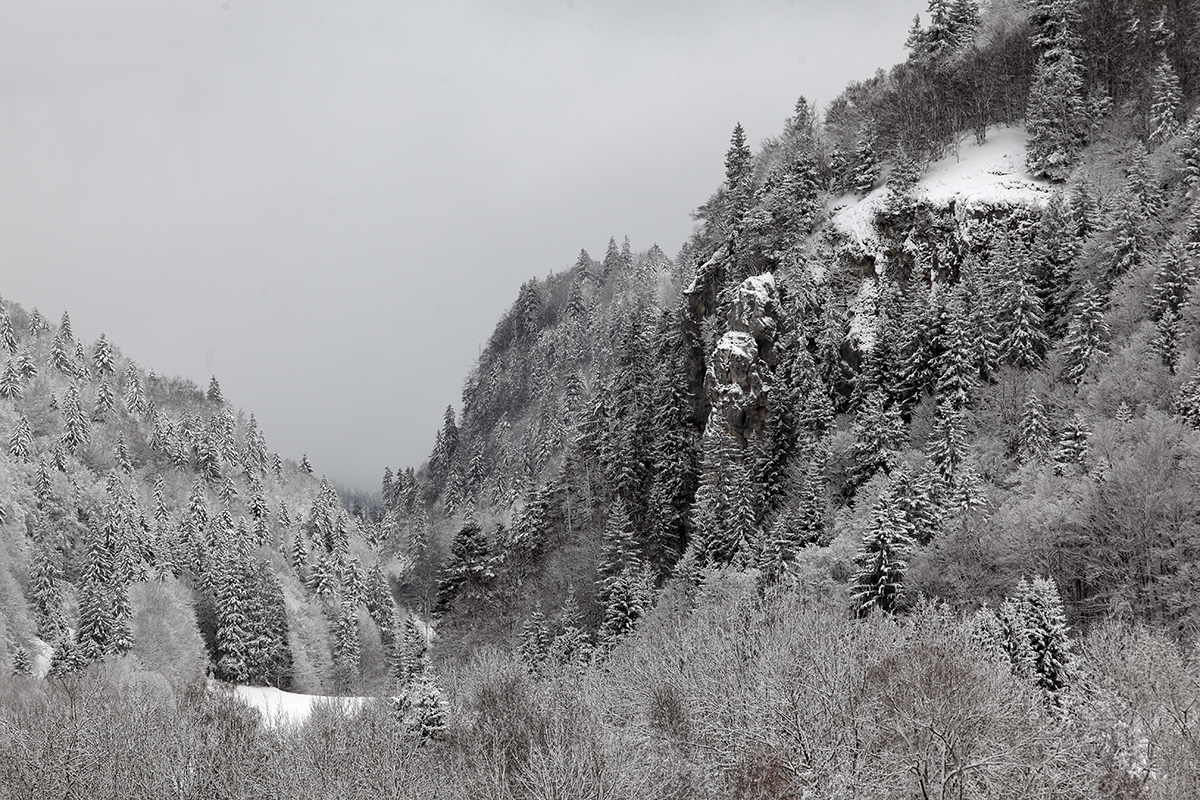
[328, 205]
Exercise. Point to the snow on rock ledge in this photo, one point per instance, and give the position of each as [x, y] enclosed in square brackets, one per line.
[975, 181]
[739, 372]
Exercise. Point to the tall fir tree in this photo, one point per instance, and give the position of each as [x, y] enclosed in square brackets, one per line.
[1086, 333]
[882, 559]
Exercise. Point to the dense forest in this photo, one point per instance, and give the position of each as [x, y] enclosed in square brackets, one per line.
[882, 486]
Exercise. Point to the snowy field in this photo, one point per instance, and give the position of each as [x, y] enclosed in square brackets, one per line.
[970, 177]
[285, 708]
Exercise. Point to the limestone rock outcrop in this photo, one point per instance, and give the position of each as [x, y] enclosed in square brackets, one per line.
[740, 371]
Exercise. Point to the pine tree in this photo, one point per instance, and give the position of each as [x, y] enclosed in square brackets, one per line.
[304, 464]
[214, 392]
[470, 562]
[882, 559]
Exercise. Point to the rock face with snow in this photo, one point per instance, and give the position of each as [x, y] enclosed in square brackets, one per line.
[976, 183]
[738, 380]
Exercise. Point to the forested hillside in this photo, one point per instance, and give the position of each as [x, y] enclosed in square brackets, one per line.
[858, 383]
[883, 485]
[145, 517]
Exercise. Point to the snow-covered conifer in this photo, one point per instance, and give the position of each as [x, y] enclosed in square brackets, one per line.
[1085, 334]
[1166, 100]
[882, 559]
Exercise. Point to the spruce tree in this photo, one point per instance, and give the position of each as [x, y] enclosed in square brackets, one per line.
[1035, 439]
[1035, 637]
[948, 445]
[94, 636]
[21, 440]
[45, 587]
[8, 336]
[1166, 100]
[1125, 236]
[214, 392]
[1187, 402]
[1172, 280]
[60, 355]
[1024, 339]
[1165, 341]
[882, 559]
[10, 381]
[76, 428]
[1056, 115]
[571, 645]
[1084, 341]
[37, 323]
[534, 648]
[1073, 442]
[737, 175]
[878, 433]
[102, 357]
[866, 165]
[105, 401]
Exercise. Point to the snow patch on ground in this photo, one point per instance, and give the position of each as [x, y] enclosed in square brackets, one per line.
[974, 177]
[280, 708]
[985, 175]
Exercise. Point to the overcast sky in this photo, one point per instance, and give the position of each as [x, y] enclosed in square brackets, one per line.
[328, 205]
